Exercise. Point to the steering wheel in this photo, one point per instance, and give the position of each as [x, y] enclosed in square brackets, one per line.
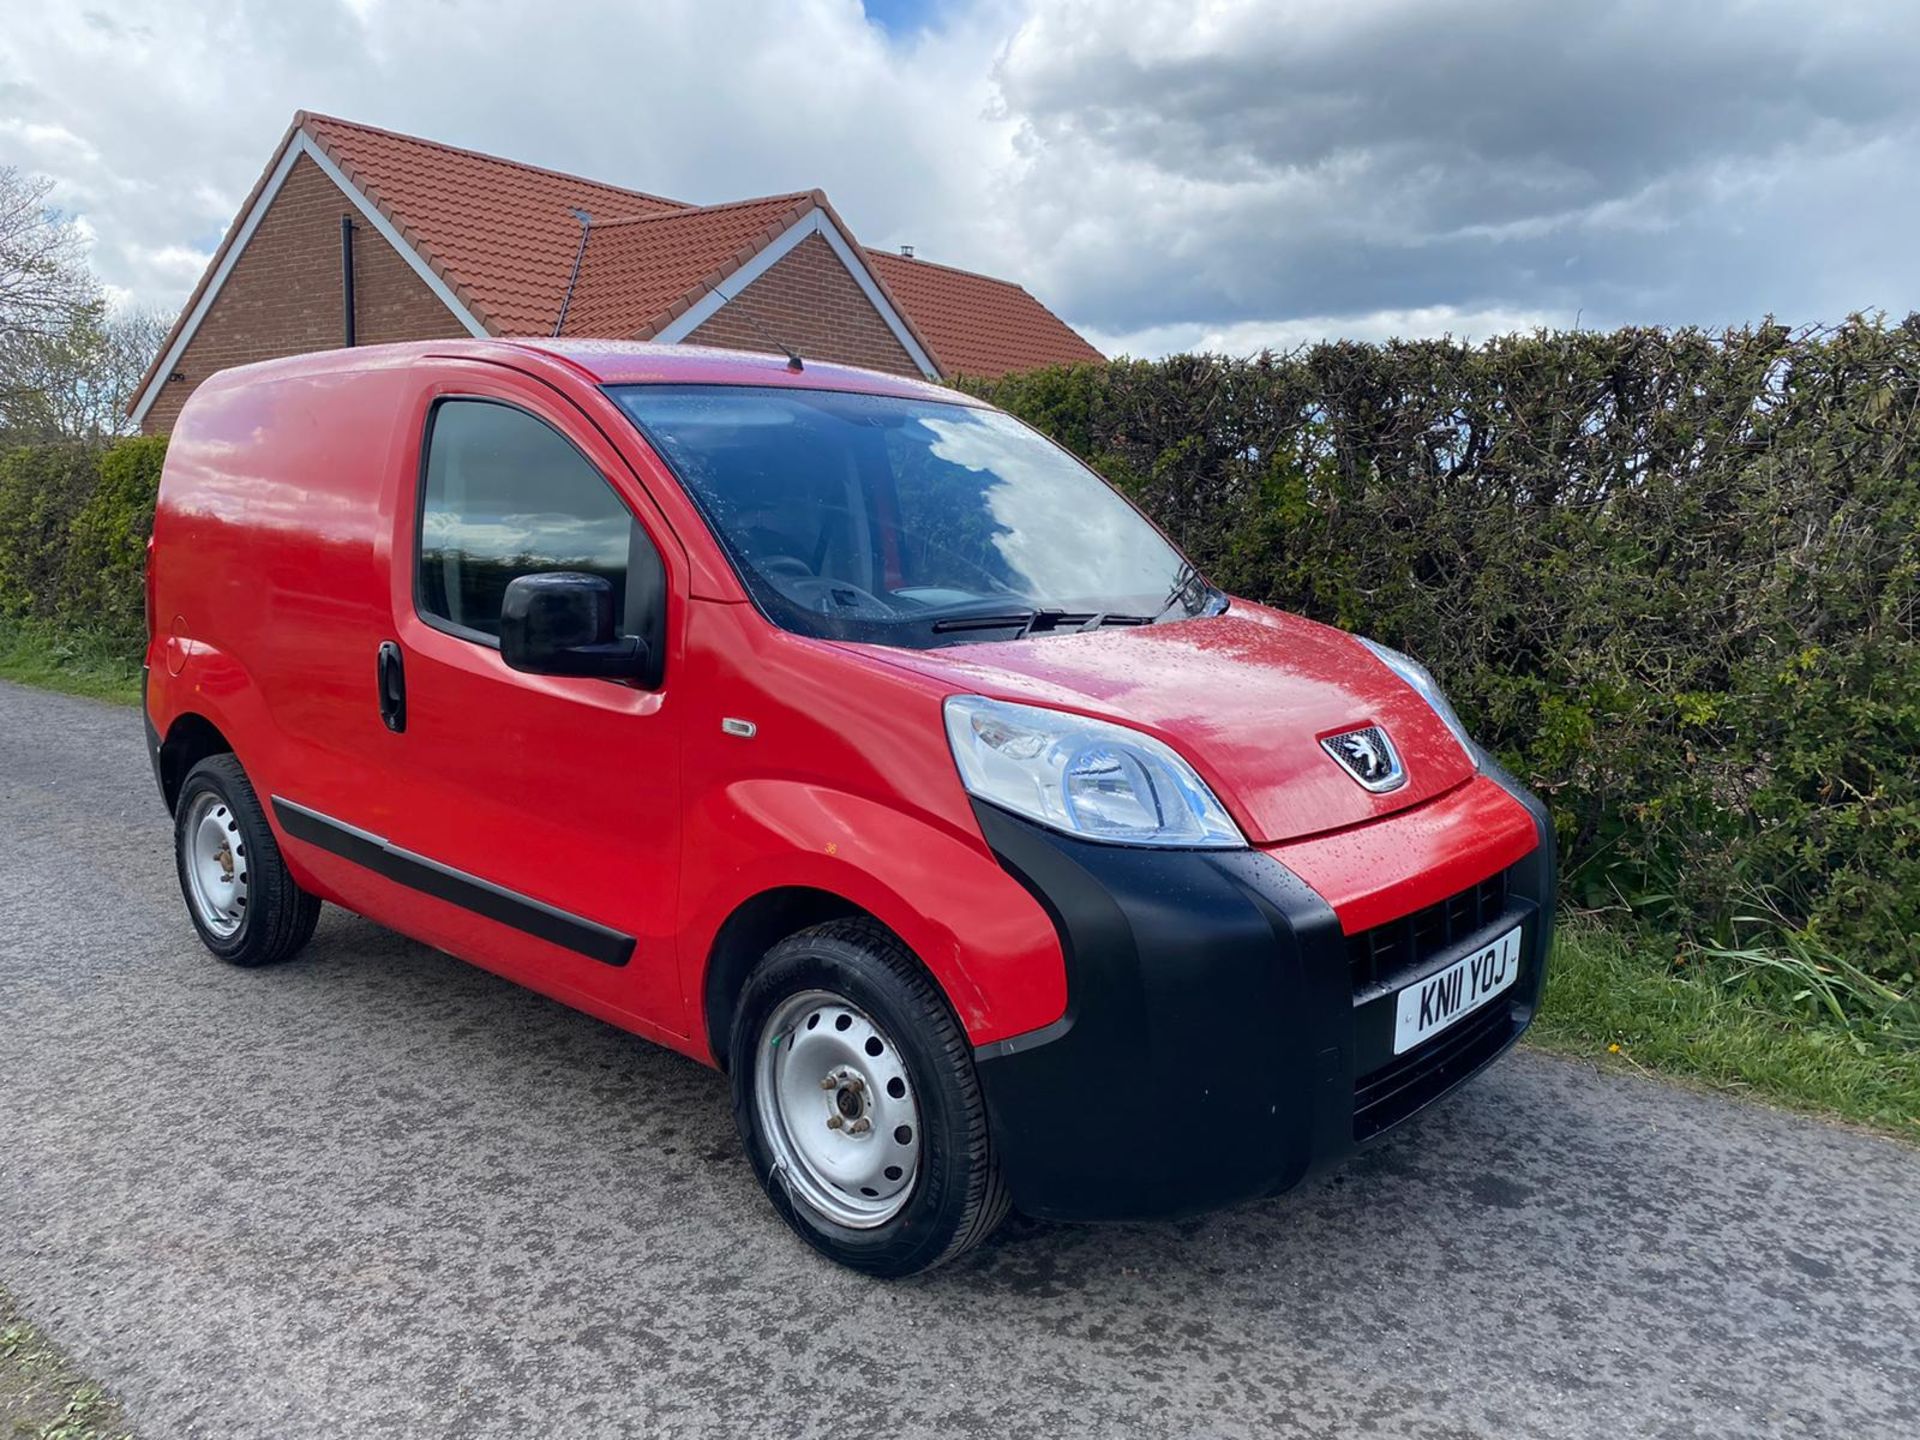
[784, 565]
[835, 597]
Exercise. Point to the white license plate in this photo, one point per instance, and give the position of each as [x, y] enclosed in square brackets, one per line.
[1429, 1006]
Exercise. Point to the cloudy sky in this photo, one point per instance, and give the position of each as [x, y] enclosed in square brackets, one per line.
[1166, 174]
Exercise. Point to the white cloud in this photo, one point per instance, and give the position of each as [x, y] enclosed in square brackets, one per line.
[1164, 173]
[1249, 337]
[1629, 160]
[156, 116]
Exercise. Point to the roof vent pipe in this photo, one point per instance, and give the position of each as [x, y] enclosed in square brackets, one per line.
[586, 225]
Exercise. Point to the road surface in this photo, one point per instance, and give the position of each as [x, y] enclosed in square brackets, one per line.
[378, 1192]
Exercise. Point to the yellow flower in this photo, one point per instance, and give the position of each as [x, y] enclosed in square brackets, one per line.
[1613, 1049]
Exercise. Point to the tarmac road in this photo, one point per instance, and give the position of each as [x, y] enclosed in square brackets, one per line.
[379, 1192]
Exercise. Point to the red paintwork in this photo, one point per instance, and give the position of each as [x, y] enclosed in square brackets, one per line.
[280, 562]
[619, 362]
[1372, 874]
[1246, 697]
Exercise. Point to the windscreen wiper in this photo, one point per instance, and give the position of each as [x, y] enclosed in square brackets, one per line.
[1183, 579]
[1032, 622]
[1184, 582]
[1021, 622]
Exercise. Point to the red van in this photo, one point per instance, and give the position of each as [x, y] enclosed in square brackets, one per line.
[843, 733]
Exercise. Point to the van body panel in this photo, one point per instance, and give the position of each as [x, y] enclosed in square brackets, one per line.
[1372, 874]
[270, 554]
[870, 813]
[564, 789]
[1001, 970]
[1246, 697]
[550, 969]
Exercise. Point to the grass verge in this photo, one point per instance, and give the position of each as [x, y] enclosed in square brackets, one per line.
[73, 662]
[42, 1396]
[1621, 999]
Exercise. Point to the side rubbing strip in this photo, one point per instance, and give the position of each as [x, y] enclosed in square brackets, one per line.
[443, 882]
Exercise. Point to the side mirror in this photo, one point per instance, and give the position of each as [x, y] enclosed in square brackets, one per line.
[561, 623]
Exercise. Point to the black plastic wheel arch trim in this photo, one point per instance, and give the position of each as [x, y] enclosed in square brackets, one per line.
[153, 741]
[456, 887]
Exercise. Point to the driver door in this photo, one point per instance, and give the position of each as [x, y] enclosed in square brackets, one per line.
[553, 802]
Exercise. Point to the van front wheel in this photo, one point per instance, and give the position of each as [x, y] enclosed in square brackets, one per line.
[855, 1094]
[246, 906]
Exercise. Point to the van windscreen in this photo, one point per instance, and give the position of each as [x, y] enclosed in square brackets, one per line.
[909, 522]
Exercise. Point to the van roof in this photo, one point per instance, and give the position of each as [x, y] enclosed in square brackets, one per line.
[634, 362]
[614, 362]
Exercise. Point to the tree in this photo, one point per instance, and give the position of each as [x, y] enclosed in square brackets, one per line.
[75, 382]
[43, 272]
[68, 362]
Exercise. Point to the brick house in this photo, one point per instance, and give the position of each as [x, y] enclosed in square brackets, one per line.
[354, 235]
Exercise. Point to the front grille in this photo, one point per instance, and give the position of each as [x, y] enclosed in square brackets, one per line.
[1391, 1093]
[1412, 940]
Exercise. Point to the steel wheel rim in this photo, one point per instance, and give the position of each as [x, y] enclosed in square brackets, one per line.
[840, 1116]
[214, 857]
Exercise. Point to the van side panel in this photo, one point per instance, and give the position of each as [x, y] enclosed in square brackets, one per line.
[270, 581]
[872, 812]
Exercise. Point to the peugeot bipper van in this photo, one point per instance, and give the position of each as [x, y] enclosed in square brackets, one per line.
[843, 733]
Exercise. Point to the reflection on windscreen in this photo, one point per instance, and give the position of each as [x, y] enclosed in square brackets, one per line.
[907, 521]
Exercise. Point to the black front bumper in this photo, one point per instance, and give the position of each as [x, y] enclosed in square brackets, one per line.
[1222, 1036]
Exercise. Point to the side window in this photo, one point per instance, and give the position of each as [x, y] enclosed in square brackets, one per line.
[506, 495]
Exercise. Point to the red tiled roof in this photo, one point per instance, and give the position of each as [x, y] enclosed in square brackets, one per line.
[639, 275]
[503, 237]
[502, 234]
[975, 324]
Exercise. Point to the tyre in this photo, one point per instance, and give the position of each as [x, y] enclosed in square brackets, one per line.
[856, 1098]
[243, 901]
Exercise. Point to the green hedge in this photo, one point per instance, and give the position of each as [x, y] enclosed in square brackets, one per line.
[1672, 578]
[74, 521]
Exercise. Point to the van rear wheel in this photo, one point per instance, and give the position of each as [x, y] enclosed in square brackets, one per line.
[239, 893]
[855, 1095]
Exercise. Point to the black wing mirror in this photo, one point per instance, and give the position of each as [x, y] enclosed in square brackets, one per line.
[561, 623]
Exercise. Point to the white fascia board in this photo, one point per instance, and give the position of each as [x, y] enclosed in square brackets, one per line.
[391, 234]
[301, 144]
[814, 222]
[763, 260]
[857, 268]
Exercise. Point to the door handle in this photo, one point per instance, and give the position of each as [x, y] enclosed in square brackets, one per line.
[390, 679]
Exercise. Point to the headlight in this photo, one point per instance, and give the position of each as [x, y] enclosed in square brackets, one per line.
[1086, 777]
[1416, 675]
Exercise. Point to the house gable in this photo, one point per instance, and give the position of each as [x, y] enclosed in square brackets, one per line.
[674, 276]
[639, 275]
[282, 295]
[284, 301]
[808, 301]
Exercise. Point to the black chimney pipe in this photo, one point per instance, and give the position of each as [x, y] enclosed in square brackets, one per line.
[346, 277]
